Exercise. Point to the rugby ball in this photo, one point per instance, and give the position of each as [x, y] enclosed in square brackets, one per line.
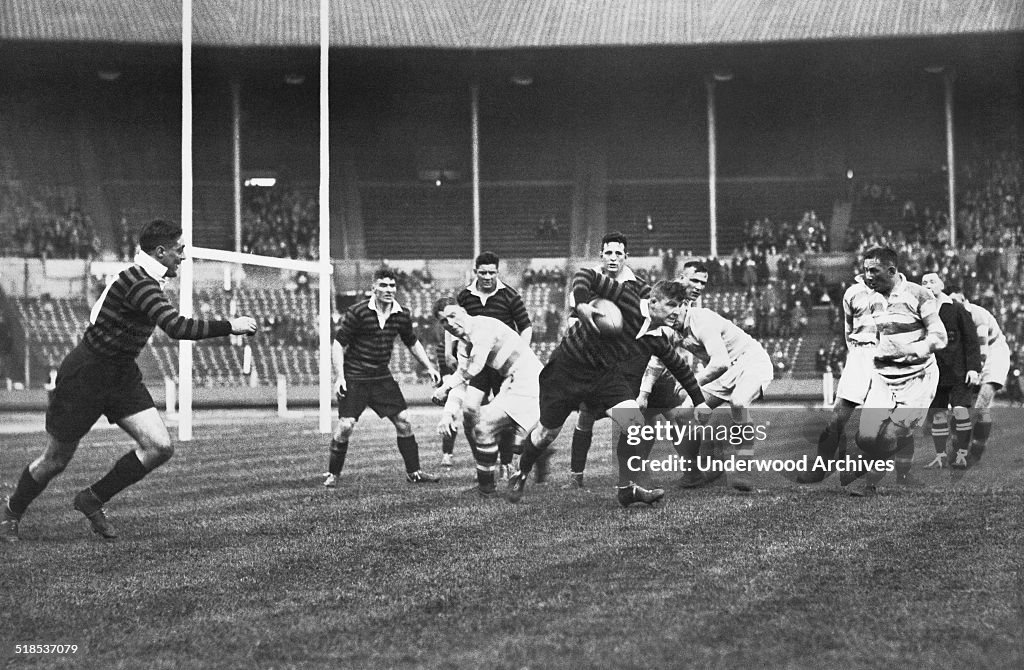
[609, 322]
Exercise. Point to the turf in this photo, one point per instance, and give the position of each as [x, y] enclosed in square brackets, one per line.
[233, 555]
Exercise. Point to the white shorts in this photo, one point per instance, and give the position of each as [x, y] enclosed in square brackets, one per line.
[997, 365]
[746, 379]
[519, 396]
[855, 382]
[905, 405]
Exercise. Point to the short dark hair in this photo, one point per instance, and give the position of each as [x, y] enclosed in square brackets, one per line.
[384, 273]
[158, 232]
[668, 290]
[440, 304]
[698, 266]
[486, 258]
[883, 255]
[614, 237]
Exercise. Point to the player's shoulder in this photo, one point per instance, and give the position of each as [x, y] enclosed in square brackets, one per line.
[463, 296]
[855, 289]
[509, 291]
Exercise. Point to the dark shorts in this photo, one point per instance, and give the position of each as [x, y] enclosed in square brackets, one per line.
[88, 387]
[958, 395]
[383, 396]
[489, 381]
[566, 384]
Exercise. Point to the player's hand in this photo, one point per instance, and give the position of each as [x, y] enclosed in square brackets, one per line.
[435, 376]
[243, 325]
[341, 390]
[702, 413]
[973, 378]
[938, 462]
[447, 427]
[586, 313]
[440, 396]
[643, 399]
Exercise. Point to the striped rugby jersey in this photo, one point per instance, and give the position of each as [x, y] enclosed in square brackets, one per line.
[989, 332]
[859, 305]
[368, 342]
[909, 314]
[690, 336]
[131, 308]
[505, 305]
[589, 348]
[494, 345]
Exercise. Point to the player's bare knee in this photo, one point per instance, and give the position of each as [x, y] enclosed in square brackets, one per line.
[159, 446]
[585, 421]
[344, 429]
[402, 425]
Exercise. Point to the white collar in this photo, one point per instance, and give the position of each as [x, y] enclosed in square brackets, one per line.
[498, 285]
[151, 266]
[395, 307]
[645, 311]
[625, 274]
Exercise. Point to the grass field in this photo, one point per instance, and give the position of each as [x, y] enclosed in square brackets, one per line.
[234, 556]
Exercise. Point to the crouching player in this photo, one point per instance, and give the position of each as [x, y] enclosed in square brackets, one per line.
[488, 343]
[737, 370]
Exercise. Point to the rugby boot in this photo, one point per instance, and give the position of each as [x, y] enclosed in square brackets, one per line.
[9, 524]
[421, 477]
[516, 487]
[634, 493]
[88, 504]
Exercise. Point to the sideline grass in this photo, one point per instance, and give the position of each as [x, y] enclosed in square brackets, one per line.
[233, 555]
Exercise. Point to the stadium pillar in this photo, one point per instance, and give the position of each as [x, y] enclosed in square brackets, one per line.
[947, 80]
[475, 131]
[712, 171]
[236, 161]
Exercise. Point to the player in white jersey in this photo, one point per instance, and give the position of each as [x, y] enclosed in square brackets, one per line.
[905, 372]
[859, 304]
[995, 359]
[736, 371]
[488, 343]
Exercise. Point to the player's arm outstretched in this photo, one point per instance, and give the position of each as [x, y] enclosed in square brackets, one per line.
[338, 360]
[684, 375]
[148, 298]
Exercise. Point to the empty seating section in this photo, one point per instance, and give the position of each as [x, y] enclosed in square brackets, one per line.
[678, 215]
[52, 326]
[417, 221]
[526, 220]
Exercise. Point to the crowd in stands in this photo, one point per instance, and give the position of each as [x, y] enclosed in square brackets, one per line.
[280, 222]
[544, 276]
[808, 235]
[38, 222]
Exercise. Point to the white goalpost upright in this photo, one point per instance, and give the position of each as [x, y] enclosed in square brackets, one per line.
[321, 267]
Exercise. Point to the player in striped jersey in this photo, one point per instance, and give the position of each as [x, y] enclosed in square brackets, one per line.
[905, 372]
[101, 377]
[859, 305]
[737, 370]
[487, 295]
[486, 343]
[361, 352]
[959, 371]
[586, 368]
[995, 359]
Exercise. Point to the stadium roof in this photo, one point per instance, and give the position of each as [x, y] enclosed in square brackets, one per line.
[502, 24]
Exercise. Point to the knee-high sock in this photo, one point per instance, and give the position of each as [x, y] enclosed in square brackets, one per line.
[904, 457]
[624, 451]
[448, 444]
[530, 455]
[982, 429]
[581, 441]
[486, 462]
[28, 489]
[410, 452]
[940, 434]
[337, 459]
[963, 433]
[506, 447]
[828, 442]
[128, 470]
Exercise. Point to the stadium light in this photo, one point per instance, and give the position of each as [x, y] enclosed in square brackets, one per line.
[722, 75]
[935, 69]
[521, 79]
[108, 75]
[295, 79]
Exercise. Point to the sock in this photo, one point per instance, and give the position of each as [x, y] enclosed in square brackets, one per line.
[904, 457]
[581, 441]
[410, 453]
[623, 452]
[448, 444]
[28, 490]
[963, 433]
[338, 452]
[506, 447]
[940, 434]
[982, 429]
[486, 462]
[128, 470]
[529, 457]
